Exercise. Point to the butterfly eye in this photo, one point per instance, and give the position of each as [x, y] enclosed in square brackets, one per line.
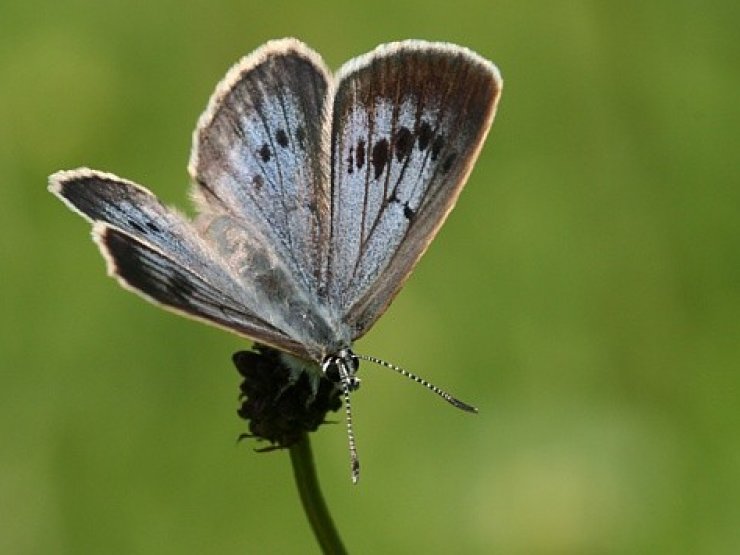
[332, 372]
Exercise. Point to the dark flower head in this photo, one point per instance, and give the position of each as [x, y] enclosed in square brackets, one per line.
[278, 406]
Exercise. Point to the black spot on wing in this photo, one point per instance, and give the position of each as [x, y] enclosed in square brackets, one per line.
[437, 145]
[350, 160]
[300, 135]
[404, 142]
[360, 154]
[424, 134]
[258, 182]
[408, 212]
[264, 153]
[282, 137]
[380, 156]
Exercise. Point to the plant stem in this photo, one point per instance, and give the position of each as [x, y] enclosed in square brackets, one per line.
[316, 510]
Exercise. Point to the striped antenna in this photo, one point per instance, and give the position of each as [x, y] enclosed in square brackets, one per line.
[348, 383]
[446, 396]
[354, 459]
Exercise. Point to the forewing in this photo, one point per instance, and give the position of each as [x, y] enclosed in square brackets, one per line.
[154, 251]
[99, 196]
[408, 122]
[261, 154]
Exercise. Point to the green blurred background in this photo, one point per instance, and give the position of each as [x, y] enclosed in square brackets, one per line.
[585, 294]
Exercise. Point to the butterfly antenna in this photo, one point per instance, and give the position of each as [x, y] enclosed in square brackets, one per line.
[446, 396]
[354, 459]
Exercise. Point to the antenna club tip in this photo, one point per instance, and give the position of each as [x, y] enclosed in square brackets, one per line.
[462, 406]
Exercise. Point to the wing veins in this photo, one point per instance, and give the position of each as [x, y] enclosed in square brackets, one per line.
[364, 240]
[431, 190]
[368, 165]
[280, 184]
[259, 163]
[430, 181]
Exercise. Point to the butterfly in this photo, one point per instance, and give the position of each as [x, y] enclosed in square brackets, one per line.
[316, 195]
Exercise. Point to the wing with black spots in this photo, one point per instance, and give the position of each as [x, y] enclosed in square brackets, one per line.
[408, 122]
[261, 154]
[156, 252]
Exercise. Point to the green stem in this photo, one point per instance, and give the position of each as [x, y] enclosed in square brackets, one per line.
[316, 510]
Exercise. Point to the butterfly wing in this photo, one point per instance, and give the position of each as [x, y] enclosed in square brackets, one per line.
[156, 252]
[260, 166]
[261, 154]
[408, 122]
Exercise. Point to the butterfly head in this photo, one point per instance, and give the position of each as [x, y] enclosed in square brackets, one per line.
[341, 368]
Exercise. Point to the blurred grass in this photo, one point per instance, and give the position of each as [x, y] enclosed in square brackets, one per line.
[585, 294]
